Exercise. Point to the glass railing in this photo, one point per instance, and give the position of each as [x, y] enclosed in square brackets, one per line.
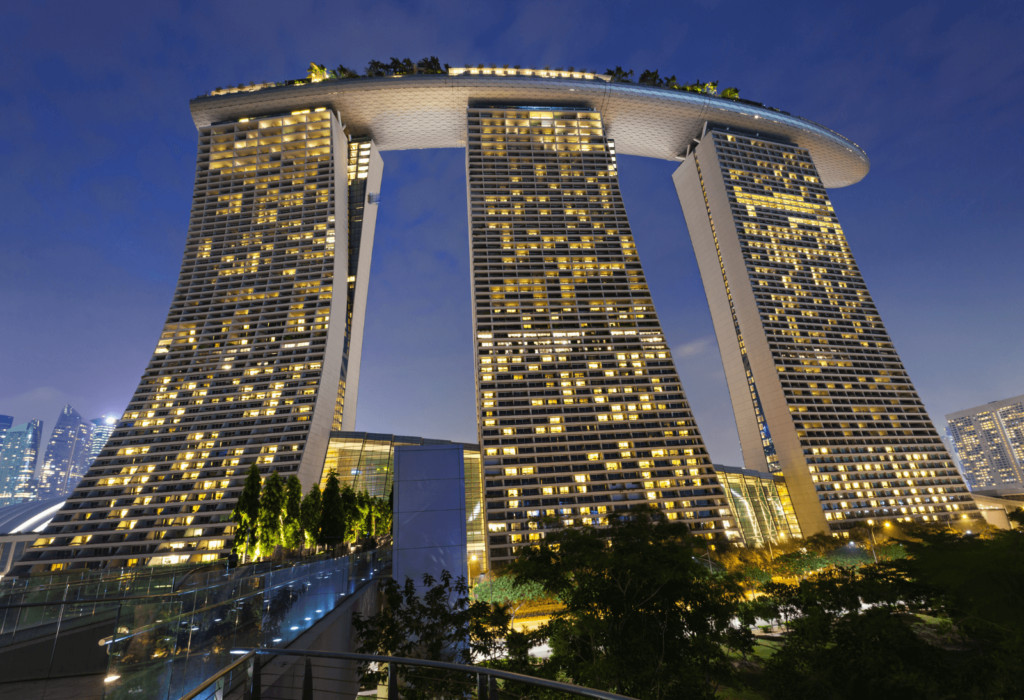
[285, 673]
[164, 646]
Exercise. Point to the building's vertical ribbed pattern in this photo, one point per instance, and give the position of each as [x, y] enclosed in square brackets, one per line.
[581, 410]
[247, 367]
[805, 351]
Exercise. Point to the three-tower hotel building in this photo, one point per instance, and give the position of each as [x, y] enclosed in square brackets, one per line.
[581, 413]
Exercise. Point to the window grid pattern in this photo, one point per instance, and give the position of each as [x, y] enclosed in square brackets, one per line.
[581, 410]
[237, 369]
[990, 443]
[872, 451]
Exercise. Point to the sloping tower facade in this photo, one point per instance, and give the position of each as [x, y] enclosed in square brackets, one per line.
[581, 412]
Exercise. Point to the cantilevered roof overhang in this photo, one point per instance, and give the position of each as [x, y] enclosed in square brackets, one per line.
[429, 111]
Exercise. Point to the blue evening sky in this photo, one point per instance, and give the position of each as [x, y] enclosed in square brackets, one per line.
[97, 158]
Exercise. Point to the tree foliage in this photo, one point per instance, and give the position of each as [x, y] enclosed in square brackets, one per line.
[246, 514]
[436, 621]
[947, 621]
[309, 515]
[272, 504]
[641, 616]
[506, 592]
[653, 78]
[291, 521]
[332, 513]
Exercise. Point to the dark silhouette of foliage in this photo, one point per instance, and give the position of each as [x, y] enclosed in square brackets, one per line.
[332, 513]
[861, 633]
[438, 621]
[641, 617]
[620, 76]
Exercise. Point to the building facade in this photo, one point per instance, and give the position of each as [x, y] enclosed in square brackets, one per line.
[581, 411]
[819, 393]
[67, 455]
[251, 366]
[102, 429]
[366, 462]
[18, 460]
[20, 526]
[761, 504]
[582, 414]
[989, 440]
[5, 424]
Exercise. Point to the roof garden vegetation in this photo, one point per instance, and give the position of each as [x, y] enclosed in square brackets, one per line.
[431, 65]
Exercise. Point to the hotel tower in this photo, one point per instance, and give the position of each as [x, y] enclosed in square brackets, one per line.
[817, 388]
[581, 414]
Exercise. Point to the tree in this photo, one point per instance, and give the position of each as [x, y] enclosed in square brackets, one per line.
[620, 76]
[246, 514]
[947, 621]
[431, 65]
[837, 648]
[504, 591]
[438, 621]
[332, 515]
[342, 72]
[641, 616]
[271, 508]
[1016, 516]
[348, 513]
[309, 515]
[292, 519]
[316, 72]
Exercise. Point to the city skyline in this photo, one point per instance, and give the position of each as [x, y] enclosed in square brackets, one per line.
[944, 287]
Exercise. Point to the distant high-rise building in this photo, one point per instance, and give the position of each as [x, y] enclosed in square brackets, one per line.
[990, 442]
[67, 455]
[5, 423]
[102, 428]
[18, 462]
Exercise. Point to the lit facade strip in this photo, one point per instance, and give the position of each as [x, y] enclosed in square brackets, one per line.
[582, 414]
[804, 349]
[249, 368]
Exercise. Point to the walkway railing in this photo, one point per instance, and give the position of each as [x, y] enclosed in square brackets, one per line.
[283, 674]
[164, 648]
[160, 633]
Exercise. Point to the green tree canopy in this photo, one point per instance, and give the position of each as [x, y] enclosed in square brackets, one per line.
[504, 591]
[272, 504]
[246, 514]
[291, 524]
[438, 621]
[332, 515]
[945, 622]
[309, 515]
[641, 617]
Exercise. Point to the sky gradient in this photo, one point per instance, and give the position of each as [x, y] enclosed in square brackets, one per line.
[97, 161]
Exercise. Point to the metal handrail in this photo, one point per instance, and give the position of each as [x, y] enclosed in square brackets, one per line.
[175, 594]
[405, 661]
